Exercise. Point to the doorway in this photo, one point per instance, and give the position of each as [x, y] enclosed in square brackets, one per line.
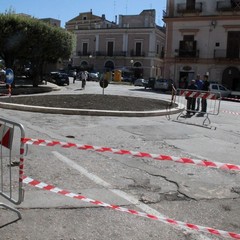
[184, 79]
[231, 78]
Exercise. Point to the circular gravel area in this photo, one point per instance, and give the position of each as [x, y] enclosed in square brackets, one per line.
[90, 101]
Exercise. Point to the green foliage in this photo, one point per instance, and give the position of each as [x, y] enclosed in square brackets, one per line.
[23, 37]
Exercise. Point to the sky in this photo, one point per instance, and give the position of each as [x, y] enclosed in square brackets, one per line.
[66, 10]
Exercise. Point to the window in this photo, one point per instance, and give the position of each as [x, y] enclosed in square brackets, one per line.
[85, 49]
[233, 44]
[188, 46]
[138, 49]
[222, 88]
[110, 48]
[191, 4]
[214, 87]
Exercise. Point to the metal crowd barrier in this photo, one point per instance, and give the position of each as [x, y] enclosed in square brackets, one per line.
[183, 96]
[172, 102]
[11, 163]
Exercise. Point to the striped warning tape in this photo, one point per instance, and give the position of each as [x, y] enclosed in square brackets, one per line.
[204, 163]
[230, 112]
[51, 188]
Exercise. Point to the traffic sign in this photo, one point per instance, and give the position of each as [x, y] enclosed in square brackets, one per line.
[103, 83]
[9, 76]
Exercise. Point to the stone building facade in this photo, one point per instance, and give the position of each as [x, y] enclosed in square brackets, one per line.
[134, 44]
[203, 37]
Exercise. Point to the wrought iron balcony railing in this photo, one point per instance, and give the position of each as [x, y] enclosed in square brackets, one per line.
[184, 8]
[182, 53]
[226, 54]
[230, 5]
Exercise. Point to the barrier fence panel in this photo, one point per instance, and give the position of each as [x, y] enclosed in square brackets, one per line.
[11, 163]
[188, 100]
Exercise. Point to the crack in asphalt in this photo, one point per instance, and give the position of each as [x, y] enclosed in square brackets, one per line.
[175, 183]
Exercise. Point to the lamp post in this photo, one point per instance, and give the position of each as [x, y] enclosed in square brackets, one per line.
[132, 61]
[153, 71]
[90, 62]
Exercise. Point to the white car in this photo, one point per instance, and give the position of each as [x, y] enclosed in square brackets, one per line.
[93, 75]
[163, 84]
[140, 82]
[219, 89]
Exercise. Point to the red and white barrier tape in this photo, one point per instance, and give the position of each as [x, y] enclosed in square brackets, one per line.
[51, 188]
[204, 163]
[230, 112]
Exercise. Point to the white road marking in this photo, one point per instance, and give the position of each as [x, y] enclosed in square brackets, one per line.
[120, 193]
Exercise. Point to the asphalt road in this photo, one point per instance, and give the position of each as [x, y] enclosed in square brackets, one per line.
[184, 192]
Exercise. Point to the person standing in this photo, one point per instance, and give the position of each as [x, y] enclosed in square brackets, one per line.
[199, 84]
[204, 101]
[191, 101]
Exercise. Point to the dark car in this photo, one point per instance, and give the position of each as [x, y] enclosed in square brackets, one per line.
[150, 83]
[59, 78]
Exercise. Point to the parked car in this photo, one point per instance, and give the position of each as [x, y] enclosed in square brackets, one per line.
[126, 79]
[59, 78]
[163, 84]
[93, 76]
[235, 94]
[219, 89]
[71, 73]
[150, 83]
[140, 82]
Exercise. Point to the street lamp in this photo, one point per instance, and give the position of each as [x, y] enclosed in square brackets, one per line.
[90, 61]
[153, 71]
[133, 73]
[132, 63]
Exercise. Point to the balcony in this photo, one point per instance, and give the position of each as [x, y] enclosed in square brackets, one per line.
[184, 8]
[220, 53]
[79, 53]
[228, 6]
[182, 53]
[113, 54]
[223, 54]
[136, 54]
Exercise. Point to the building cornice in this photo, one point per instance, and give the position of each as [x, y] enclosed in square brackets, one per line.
[189, 30]
[231, 27]
[200, 18]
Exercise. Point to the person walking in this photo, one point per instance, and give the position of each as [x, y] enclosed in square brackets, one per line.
[74, 76]
[84, 79]
[199, 84]
[191, 101]
[204, 100]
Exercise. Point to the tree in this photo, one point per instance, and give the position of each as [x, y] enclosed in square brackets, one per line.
[28, 39]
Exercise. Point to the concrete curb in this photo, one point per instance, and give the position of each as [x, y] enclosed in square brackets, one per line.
[90, 112]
